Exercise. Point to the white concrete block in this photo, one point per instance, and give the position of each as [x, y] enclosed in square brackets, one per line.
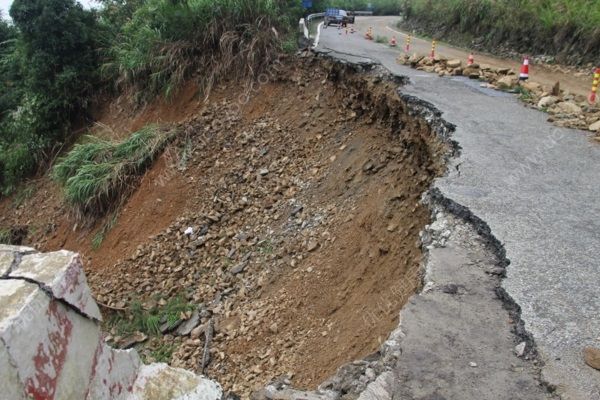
[113, 374]
[12, 388]
[62, 273]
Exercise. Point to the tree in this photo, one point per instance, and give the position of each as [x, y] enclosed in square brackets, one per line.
[58, 39]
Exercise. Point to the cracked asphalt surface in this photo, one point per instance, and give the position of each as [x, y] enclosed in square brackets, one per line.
[537, 187]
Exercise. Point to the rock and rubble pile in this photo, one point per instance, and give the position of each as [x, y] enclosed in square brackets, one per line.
[303, 203]
[564, 109]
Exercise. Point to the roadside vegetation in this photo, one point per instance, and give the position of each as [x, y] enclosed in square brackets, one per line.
[569, 29]
[57, 58]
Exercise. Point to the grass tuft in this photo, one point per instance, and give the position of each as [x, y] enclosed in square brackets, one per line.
[138, 319]
[99, 174]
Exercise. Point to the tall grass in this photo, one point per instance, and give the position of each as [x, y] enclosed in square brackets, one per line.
[167, 42]
[98, 174]
[569, 29]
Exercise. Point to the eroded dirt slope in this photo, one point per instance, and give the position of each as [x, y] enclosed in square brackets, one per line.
[303, 202]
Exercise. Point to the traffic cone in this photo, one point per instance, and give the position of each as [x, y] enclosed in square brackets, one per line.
[595, 82]
[524, 75]
[407, 44]
[433, 44]
[471, 59]
[393, 42]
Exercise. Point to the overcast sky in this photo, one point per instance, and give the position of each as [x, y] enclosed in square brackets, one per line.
[5, 5]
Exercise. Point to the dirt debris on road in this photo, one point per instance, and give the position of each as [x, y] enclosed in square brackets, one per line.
[564, 109]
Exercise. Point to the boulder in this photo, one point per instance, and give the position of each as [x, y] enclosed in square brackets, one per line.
[506, 82]
[532, 86]
[591, 357]
[595, 127]
[471, 72]
[453, 63]
[547, 101]
[568, 107]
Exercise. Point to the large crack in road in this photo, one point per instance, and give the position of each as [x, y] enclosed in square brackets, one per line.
[533, 184]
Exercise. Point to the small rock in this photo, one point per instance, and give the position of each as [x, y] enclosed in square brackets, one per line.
[595, 127]
[473, 364]
[520, 349]
[547, 101]
[591, 355]
[532, 86]
[568, 107]
[132, 340]
[198, 331]
[238, 268]
[296, 210]
[263, 171]
[392, 227]
[454, 63]
[556, 89]
[273, 328]
[312, 245]
[507, 82]
[187, 326]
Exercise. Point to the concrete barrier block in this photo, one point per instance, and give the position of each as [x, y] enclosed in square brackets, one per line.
[113, 373]
[62, 273]
[161, 382]
[12, 388]
[49, 345]
[8, 255]
[14, 297]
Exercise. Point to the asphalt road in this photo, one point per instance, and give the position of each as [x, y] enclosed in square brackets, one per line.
[537, 187]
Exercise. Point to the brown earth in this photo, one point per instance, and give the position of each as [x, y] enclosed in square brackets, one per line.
[305, 214]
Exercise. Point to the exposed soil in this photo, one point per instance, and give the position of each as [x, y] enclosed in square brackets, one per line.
[305, 210]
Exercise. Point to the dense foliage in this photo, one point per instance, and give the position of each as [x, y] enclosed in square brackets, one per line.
[48, 69]
[56, 56]
[567, 28]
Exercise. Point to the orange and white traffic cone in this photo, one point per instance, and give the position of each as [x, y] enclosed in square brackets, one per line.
[471, 59]
[393, 42]
[524, 75]
[595, 82]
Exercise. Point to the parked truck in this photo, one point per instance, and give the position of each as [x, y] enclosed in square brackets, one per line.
[336, 16]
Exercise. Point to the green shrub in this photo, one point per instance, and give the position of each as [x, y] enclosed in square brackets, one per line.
[98, 174]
